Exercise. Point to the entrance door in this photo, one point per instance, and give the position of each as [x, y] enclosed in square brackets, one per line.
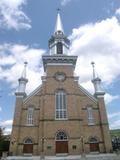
[94, 147]
[61, 142]
[28, 148]
[61, 146]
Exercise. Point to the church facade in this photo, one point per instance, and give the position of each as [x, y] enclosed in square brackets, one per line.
[60, 116]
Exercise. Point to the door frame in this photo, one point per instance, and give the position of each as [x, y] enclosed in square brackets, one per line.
[28, 142]
[61, 138]
[64, 150]
[97, 147]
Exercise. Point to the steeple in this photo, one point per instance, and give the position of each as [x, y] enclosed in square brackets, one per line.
[22, 82]
[97, 83]
[59, 26]
[58, 43]
[58, 49]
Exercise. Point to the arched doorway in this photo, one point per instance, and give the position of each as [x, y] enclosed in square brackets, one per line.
[94, 145]
[61, 142]
[28, 146]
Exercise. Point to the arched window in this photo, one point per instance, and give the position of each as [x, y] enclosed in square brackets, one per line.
[30, 116]
[28, 141]
[93, 140]
[61, 106]
[90, 115]
[61, 136]
[59, 48]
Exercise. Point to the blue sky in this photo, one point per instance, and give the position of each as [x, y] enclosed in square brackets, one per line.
[94, 30]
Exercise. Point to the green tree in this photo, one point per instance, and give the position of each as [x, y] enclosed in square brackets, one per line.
[4, 142]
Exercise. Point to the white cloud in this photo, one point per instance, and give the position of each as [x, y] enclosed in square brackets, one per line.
[109, 98]
[114, 119]
[6, 123]
[12, 15]
[7, 126]
[117, 11]
[7, 131]
[12, 58]
[113, 115]
[97, 42]
[64, 2]
[115, 124]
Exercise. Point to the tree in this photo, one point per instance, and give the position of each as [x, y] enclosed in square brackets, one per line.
[1, 132]
[4, 142]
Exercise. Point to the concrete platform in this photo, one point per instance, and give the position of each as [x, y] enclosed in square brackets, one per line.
[87, 157]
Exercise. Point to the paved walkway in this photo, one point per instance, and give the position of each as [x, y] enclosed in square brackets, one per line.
[88, 157]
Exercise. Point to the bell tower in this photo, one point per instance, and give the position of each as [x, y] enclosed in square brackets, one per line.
[59, 43]
[58, 49]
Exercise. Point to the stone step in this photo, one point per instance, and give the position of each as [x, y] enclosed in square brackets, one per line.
[87, 157]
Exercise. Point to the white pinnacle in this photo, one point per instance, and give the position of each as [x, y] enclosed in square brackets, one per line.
[24, 71]
[93, 65]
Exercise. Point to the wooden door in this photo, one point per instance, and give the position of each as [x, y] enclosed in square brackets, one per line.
[61, 146]
[94, 147]
[28, 148]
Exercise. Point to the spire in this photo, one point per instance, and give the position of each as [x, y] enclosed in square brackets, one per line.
[22, 82]
[97, 83]
[24, 71]
[59, 26]
[59, 43]
[93, 66]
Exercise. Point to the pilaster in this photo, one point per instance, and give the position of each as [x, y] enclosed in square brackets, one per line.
[16, 125]
[104, 125]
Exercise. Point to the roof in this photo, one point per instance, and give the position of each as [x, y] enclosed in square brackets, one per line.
[38, 89]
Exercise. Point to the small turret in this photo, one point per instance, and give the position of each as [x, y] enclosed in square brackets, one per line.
[59, 43]
[97, 83]
[22, 83]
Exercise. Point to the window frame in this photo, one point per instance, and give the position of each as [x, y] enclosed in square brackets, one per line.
[90, 117]
[59, 48]
[61, 136]
[30, 113]
[61, 112]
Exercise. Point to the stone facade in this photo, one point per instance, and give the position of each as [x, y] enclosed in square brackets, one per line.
[80, 135]
[45, 126]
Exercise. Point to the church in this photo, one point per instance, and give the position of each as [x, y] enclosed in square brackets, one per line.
[60, 116]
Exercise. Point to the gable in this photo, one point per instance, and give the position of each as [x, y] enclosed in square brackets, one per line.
[36, 91]
[89, 95]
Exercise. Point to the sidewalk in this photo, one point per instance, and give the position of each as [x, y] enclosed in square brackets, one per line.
[70, 157]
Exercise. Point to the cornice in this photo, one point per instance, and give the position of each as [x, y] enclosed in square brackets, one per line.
[59, 59]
